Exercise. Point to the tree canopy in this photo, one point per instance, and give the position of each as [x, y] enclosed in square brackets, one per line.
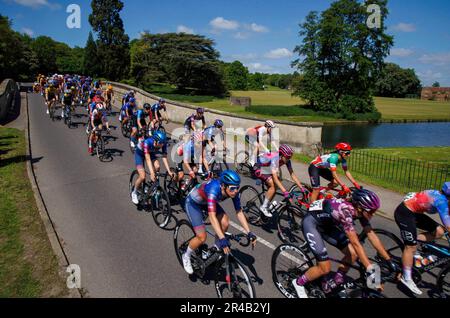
[398, 82]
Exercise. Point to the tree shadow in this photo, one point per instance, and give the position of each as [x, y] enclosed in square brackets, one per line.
[5, 151]
[18, 159]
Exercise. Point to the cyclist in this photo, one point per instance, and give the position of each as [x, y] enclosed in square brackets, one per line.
[109, 96]
[98, 98]
[255, 137]
[67, 101]
[332, 220]
[98, 119]
[146, 151]
[210, 134]
[126, 98]
[195, 122]
[140, 124]
[127, 112]
[206, 197]
[50, 97]
[267, 172]
[156, 112]
[410, 215]
[326, 167]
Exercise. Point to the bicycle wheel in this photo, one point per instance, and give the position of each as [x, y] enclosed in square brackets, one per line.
[251, 201]
[302, 198]
[241, 284]
[289, 225]
[125, 130]
[160, 207]
[182, 235]
[443, 282]
[171, 188]
[100, 147]
[288, 263]
[241, 163]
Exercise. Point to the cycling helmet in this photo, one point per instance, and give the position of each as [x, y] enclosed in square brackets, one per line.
[132, 100]
[446, 189]
[160, 137]
[366, 200]
[99, 106]
[343, 147]
[99, 93]
[269, 124]
[147, 106]
[200, 110]
[72, 88]
[218, 123]
[162, 101]
[230, 177]
[286, 151]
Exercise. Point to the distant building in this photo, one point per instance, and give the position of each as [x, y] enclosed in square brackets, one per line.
[441, 94]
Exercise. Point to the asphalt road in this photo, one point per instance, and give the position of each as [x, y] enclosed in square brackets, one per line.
[121, 252]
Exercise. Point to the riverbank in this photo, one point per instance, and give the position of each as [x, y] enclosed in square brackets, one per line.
[28, 266]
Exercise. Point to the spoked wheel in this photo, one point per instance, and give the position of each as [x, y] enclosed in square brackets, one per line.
[100, 147]
[251, 201]
[126, 129]
[302, 198]
[182, 235]
[171, 188]
[241, 284]
[289, 225]
[443, 282]
[241, 162]
[52, 113]
[160, 207]
[288, 263]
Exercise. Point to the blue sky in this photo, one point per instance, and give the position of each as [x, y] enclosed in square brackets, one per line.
[260, 33]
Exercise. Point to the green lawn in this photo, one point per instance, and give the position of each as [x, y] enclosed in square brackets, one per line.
[384, 167]
[390, 108]
[28, 266]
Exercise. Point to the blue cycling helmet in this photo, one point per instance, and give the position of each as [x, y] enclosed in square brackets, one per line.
[132, 100]
[446, 189]
[230, 177]
[160, 137]
[218, 123]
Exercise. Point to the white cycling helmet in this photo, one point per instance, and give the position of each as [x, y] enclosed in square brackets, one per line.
[270, 124]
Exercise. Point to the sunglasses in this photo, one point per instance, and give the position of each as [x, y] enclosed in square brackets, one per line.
[234, 188]
[347, 153]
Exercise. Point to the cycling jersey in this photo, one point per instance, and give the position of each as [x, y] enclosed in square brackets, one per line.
[126, 98]
[141, 114]
[267, 163]
[146, 146]
[157, 107]
[128, 109]
[257, 132]
[198, 122]
[67, 99]
[51, 92]
[98, 116]
[329, 161]
[431, 202]
[210, 132]
[209, 194]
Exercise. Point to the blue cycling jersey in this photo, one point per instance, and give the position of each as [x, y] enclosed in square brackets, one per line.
[210, 132]
[141, 114]
[147, 146]
[209, 194]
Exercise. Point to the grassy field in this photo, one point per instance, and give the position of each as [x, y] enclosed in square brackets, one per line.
[390, 108]
[28, 267]
[384, 168]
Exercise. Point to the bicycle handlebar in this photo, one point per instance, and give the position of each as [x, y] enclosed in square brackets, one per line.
[242, 239]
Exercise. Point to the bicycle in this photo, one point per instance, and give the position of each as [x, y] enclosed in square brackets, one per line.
[231, 278]
[176, 193]
[99, 145]
[68, 115]
[217, 167]
[291, 261]
[153, 198]
[126, 128]
[440, 254]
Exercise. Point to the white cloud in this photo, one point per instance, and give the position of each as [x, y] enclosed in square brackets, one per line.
[278, 54]
[436, 59]
[258, 67]
[400, 52]
[404, 27]
[430, 77]
[220, 23]
[28, 31]
[257, 28]
[184, 29]
[241, 36]
[38, 3]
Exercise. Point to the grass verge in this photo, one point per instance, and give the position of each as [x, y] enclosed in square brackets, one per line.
[28, 266]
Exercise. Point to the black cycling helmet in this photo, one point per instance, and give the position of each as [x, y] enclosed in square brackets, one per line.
[147, 106]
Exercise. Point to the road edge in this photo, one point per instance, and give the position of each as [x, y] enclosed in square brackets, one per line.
[53, 237]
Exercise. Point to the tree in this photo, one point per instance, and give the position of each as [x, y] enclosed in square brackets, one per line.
[237, 76]
[395, 81]
[91, 64]
[45, 49]
[185, 60]
[256, 82]
[113, 49]
[436, 84]
[340, 58]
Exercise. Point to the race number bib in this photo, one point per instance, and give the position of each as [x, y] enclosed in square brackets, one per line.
[409, 196]
[316, 206]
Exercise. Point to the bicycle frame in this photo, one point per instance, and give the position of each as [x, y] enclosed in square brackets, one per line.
[439, 249]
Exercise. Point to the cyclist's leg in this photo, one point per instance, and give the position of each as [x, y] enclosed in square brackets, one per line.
[156, 164]
[314, 175]
[270, 194]
[195, 215]
[433, 230]
[139, 161]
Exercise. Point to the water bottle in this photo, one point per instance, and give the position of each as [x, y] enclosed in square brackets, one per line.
[273, 206]
[418, 259]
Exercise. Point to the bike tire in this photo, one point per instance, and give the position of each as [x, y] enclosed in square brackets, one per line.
[160, 207]
[241, 163]
[288, 263]
[241, 282]
[100, 147]
[183, 233]
[289, 225]
[251, 201]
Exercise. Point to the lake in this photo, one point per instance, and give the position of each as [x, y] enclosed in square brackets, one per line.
[388, 135]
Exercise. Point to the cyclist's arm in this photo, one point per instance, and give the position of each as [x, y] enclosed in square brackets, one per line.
[376, 242]
[166, 165]
[277, 181]
[294, 176]
[212, 209]
[148, 161]
[354, 241]
[443, 210]
[139, 122]
[336, 178]
[243, 220]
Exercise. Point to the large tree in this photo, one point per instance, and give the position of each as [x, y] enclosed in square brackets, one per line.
[113, 44]
[91, 64]
[395, 81]
[236, 76]
[184, 60]
[45, 50]
[340, 57]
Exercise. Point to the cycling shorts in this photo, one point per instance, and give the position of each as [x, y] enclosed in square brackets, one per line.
[263, 177]
[315, 236]
[180, 166]
[408, 222]
[139, 159]
[315, 174]
[197, 213]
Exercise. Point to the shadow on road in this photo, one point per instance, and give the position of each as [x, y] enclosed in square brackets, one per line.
[18, 159]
